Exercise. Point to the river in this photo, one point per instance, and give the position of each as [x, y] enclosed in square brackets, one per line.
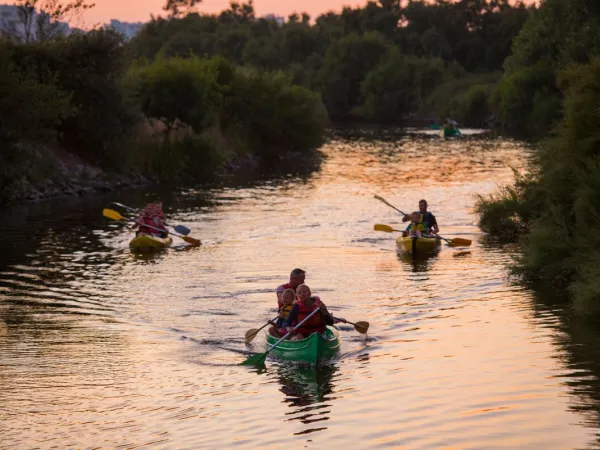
[100, 348]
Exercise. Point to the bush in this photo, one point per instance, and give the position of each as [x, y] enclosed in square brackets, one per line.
[270, 115]
[398, 86]
[558, 206]
[190, 158]
[178, 92]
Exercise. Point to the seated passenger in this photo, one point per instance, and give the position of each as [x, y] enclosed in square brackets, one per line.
[306, 304]
[152, 216]
[287, 297]
[415, 228]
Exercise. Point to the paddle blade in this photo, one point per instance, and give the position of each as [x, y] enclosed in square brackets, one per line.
[361, 327]
[255, 360]
[381, 199]
[112, 214]
[191, 240]
[386, 228]
[182, 230]
[250, 334]
[458, 242]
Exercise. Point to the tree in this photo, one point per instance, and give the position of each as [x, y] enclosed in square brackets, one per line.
[43, 20]
[179, 92]
[178, 8]
[346, 64]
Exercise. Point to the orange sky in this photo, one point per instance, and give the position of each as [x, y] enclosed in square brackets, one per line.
[140, 10]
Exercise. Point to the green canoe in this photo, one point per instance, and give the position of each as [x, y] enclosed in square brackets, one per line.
[313, 349]
[447, 132]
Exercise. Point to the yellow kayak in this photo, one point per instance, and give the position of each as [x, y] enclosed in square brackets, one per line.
[147, 242]
[423, 245]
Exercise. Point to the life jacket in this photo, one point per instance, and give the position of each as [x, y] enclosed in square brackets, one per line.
[313, 325]
[425, 219]
[146, 222]
[285, 309]
[418, 226]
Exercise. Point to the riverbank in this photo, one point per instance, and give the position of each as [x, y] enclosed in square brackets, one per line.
[64, 175]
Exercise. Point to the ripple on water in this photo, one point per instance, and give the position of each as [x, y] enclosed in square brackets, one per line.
[100, 348]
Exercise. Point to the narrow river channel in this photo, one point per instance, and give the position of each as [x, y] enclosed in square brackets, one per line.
[100, 348]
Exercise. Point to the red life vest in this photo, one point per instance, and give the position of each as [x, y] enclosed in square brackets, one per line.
[313, 325]
[148, 220]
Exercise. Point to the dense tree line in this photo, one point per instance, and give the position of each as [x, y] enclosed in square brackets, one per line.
[552, 87]
[382, 62]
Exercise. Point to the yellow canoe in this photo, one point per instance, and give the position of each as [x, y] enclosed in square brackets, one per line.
[148, 243]
[422, 245]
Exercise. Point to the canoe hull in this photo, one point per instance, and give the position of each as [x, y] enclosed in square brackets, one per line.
[312, 350]
[149, 243]
[448, 132]
[423, 245]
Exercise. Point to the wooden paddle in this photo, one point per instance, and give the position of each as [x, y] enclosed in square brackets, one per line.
[359, 326]
[112, 214]
[259, 358]
[381, 199]
[179, 228]
[251, 333]
[454, 242]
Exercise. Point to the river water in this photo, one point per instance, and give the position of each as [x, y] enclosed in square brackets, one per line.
[100, 348]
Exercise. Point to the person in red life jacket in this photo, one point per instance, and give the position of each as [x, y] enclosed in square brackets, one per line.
[296, 279]
[305, 304]
[152, 216]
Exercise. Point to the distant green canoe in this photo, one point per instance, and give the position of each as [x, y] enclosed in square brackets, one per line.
[314, 349]
[450, 132]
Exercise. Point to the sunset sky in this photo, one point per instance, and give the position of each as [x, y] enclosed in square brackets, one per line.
[140, 10]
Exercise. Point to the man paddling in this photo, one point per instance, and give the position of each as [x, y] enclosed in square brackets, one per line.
[428, 219]
[296, 279]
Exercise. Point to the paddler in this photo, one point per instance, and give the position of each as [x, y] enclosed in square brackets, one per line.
[306, 303]
[427, 219]
[296, 279]
[152, 216]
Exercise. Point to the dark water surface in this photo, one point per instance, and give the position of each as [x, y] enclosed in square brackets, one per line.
[103, 349]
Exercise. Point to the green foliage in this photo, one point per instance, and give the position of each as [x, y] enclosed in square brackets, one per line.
[396, 87]
[558, 207]
[188, 159]
[89, 69]
[464, 97]
[336, 53]
[30, 112]
[347, 63]
[270, 115]
[29, 109]
[527, 102]
[559, 33]
[179, 92]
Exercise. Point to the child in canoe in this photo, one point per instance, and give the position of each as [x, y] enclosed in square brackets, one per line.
[415, 228]
[306, 304]
[287, 301]
[152, 216]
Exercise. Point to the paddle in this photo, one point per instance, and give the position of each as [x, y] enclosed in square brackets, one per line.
[454, 242]
[359, 326]
[386, 228]
[111, 214]
[259, 358]
[179, 228]
[381, 199]
[251, 333]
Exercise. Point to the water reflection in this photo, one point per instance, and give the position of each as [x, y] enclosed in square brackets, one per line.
[307, 390]
[417, 263]
[130, 351]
